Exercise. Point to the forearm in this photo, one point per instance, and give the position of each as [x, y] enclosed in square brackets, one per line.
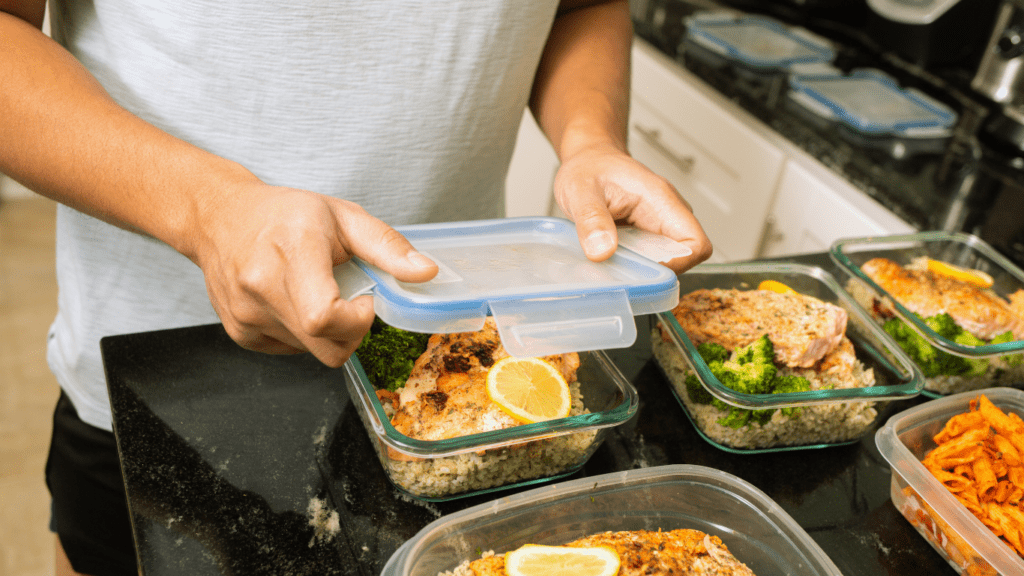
[580, 96]
[65, 138]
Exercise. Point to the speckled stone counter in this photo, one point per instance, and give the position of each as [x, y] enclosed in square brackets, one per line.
[242, 463]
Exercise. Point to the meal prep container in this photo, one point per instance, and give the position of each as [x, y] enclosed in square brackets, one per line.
[873, 111]
[896, 376]
[756, 43]
[967, 544]
[436, 470]
[531, 276]
[754, 528]
[955, 248]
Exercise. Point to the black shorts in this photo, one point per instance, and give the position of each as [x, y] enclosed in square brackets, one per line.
[89, 511]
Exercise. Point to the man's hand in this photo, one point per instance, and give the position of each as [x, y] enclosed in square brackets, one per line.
[601, 187]
[267, 255]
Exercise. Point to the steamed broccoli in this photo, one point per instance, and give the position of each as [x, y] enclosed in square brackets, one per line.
[932, 361]
[713, 352]
[749, 369]
[388, 353]
[1013, 359]
[760, 351]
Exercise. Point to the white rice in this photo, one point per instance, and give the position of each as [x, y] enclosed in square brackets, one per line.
[816, 424]
[470, 471]
[999, 372]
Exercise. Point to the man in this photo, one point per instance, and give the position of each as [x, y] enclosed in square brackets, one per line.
[250, 148]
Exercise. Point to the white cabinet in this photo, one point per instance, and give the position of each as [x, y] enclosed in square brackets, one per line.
[813, 208]
[712, 151]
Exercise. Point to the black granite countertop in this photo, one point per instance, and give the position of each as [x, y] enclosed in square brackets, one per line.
[241, 463]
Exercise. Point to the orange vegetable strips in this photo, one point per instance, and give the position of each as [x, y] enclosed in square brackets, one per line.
[1007, 451]
[979, 458]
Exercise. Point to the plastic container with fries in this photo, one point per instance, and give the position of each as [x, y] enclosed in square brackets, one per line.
[977, 449]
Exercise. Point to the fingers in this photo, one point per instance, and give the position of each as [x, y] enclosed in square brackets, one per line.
[599, 190]
[381, 245]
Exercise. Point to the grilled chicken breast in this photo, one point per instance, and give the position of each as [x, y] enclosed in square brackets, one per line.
[446, 394]
[980, 312]
[648, 553]
[803, 329]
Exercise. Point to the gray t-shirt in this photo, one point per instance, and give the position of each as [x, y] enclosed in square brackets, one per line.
[409, 108]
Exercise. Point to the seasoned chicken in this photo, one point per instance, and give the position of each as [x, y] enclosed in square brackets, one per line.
[446, 394]
[649, 553]
[926, 293]
[803, 329]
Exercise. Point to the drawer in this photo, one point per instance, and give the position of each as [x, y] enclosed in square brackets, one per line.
[725, 170]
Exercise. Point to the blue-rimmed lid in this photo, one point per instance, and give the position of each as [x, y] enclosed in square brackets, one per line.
[871, 102]
[757, 41]
[531, 275]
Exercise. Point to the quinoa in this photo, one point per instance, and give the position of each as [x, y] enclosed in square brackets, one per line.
[999, 372]
[469, 471]
[822, 423]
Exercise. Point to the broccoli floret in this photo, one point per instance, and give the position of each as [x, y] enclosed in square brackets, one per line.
[749, 378]
[696, 391]
[750, 369]
[932, 361]
[736, 418]
[388, 353]
[760, 351]
[713, 352]
[790, 383]
[1012, 359]
[944, 325]
[976, 366]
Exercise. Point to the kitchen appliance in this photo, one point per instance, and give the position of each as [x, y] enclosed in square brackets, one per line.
[1000, 76]
[931, 33]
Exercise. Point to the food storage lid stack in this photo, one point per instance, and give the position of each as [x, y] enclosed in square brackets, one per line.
[532, 276]
[756, 42]
[871, 103]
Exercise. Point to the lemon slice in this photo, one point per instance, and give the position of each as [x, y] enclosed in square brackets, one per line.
[775, 286]
[528, 389]
[537, 560]
[972, 277]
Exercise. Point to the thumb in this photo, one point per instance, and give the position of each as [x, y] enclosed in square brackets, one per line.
[596, 230]
[382, 246]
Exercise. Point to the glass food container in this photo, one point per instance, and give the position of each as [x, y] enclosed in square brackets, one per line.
[837, 412]
[959, 249]
[437, 470]
[754, 528]
[961, 538]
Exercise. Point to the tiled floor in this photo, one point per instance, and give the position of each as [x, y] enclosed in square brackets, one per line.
[27, 389]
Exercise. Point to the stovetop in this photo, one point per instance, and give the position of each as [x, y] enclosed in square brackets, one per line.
[927, 188]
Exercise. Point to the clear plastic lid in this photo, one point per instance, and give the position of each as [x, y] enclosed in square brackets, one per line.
[757, 41]
[531, 275]
[871, 102]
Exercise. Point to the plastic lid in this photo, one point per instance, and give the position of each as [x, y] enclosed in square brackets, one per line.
[912, 11]
[757, 41]
[871, 102]
[531, 275]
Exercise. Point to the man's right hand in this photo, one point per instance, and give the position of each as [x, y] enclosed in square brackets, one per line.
[267, 254]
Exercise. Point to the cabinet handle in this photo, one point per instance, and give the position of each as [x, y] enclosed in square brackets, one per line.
[653, 137]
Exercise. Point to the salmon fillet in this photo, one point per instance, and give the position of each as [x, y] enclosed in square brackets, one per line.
[446, 394]
[980, 312]
[649, 553]
[802, 329]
